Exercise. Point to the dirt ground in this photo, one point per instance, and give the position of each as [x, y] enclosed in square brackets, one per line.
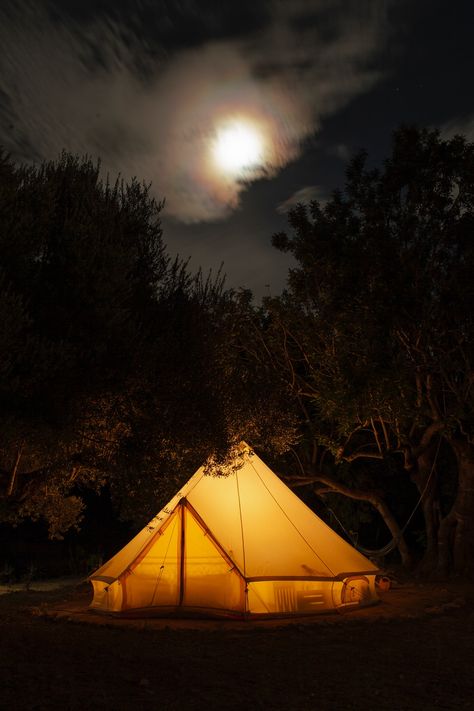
[414, 650]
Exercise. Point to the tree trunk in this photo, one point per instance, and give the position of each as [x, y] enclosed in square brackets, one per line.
[425, 479]
[11, 485]
[445, 543]
[394, 528]
[463, 509]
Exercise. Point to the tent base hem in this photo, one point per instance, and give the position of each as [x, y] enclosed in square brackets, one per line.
[207, 613]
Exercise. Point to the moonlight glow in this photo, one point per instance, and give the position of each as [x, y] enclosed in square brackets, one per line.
[238, 147]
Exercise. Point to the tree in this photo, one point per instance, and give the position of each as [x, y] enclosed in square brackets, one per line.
[117, 366]
[375, 330]
[80, 264]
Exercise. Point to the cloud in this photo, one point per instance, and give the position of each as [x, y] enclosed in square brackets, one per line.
[459, 126]
[303, 195]
[99, 89]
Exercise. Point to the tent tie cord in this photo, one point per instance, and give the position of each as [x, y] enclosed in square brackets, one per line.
[393, 543]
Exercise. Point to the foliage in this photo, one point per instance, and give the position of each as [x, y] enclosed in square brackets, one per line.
[116, 364]
[375, 329]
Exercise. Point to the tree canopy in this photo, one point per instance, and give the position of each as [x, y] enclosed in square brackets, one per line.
[375, 329]
[117, 366]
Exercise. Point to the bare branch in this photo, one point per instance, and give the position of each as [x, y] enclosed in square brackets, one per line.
[374, 430]
[11, 485]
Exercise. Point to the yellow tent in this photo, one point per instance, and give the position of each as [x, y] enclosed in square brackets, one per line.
[238, 545]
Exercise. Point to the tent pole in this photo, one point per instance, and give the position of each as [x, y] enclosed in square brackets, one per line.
[182, 503]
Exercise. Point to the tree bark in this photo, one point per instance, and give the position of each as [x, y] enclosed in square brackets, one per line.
[425, 479]
[445, 539]
[463, 509]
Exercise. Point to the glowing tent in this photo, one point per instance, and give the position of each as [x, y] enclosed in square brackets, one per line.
[239, 545]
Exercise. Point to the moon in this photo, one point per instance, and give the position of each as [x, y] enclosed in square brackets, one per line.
[238, 147]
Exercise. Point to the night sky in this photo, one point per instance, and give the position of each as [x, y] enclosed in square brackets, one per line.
[149, 86]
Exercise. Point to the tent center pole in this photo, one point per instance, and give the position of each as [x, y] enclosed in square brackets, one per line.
[181, 559]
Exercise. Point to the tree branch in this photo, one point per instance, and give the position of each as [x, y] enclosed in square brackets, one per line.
[11, 485]
[370, 495]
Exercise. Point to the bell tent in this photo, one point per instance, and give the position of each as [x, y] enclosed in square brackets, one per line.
[238, 545]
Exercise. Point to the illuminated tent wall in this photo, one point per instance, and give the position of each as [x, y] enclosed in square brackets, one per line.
[237, 545]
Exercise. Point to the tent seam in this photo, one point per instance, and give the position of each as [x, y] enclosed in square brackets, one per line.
[241, 523]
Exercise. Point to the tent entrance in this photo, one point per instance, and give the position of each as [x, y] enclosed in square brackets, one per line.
[209, 578]
[183, 566]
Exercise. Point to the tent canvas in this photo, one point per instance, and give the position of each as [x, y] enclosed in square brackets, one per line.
[239, 545]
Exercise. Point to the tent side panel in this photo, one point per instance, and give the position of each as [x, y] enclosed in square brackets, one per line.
[333, 553]
[107, 597]
[287, 597]
[153, 580]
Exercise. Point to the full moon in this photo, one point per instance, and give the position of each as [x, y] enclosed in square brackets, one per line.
[237, 147]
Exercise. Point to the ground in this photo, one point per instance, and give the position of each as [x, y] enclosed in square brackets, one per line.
[413, 651]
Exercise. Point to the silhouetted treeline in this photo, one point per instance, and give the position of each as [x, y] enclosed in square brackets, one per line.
[375, 334]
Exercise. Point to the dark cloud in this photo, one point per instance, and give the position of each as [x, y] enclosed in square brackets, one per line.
[170, 24]
[461, 125]
[122, 82]
[303, 195]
